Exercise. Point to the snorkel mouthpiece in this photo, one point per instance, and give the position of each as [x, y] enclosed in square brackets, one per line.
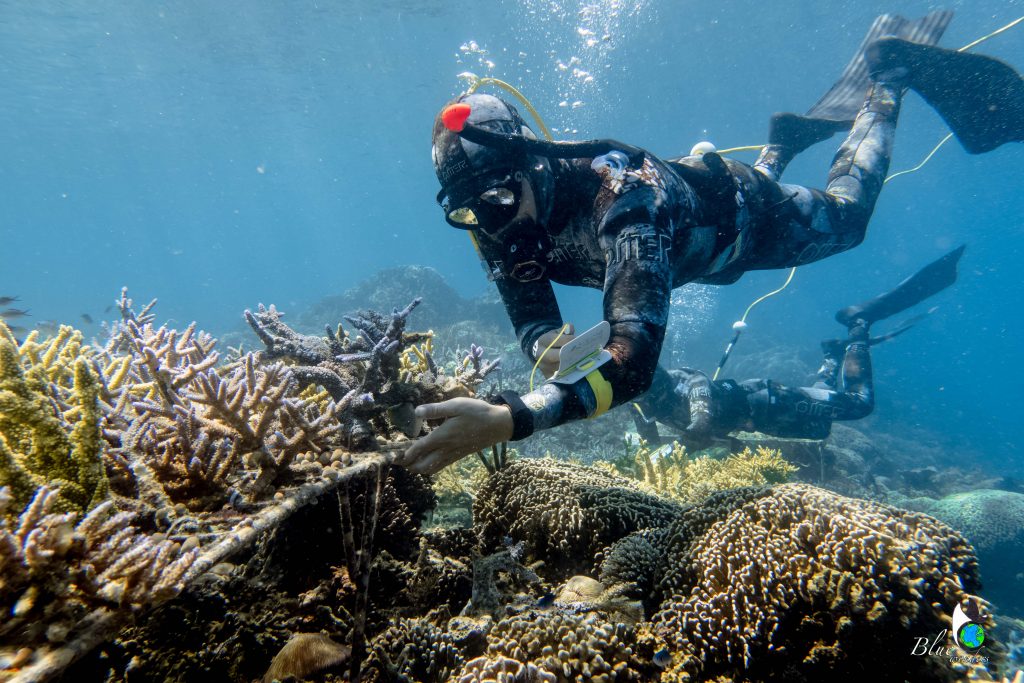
[454, 116]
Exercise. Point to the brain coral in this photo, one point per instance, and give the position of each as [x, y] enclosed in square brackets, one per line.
[795, 581]
[565, 513]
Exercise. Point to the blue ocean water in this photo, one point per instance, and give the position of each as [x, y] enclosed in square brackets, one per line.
[217, 155]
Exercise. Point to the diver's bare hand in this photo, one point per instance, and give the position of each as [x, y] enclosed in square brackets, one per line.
[469, 426]
[549, 363]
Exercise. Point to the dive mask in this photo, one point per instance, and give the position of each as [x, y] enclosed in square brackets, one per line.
[488, 211]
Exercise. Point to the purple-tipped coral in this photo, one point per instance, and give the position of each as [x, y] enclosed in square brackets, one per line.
[374, 378]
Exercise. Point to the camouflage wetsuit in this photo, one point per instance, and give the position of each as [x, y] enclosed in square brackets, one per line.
[673, 222]
[701, 408]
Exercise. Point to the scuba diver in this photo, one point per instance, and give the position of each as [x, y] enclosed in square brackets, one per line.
[611, 216]
[703, 409]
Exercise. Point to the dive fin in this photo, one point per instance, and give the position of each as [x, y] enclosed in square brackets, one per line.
[928, 281]
[980, 98]
[902, 327]
[838, 107]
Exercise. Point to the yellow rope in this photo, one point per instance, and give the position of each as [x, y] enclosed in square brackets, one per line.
[749, 147]
[792, 272]
[923, 161]
[565, 328]
[1013, 23]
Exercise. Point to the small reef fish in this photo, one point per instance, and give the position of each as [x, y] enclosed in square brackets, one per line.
[5, 300]
[87, 318]
[546, 600]
[48, 326]
[16, 329]
[109, 308]
[662, 658]
[13, 313]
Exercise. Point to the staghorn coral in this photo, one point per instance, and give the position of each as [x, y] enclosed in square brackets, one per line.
[793, 576]
[52, 570]
[383, 371]
[50, 420]
[557, 645]
[564, 513]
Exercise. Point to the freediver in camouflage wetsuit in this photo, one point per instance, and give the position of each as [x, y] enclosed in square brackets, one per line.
[636, 227]
[702, 409]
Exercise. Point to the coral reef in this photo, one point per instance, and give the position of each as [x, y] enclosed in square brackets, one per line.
[669, 472]
[370, 374]
[993, 521]
[800, 579]
[50, 421]
[181, 458]
[562, 512]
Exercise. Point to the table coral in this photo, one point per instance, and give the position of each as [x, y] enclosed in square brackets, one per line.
[670, 472]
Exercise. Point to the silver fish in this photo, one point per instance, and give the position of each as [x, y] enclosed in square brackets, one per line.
[13, 313]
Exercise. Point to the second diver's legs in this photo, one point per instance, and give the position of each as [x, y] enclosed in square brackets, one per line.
[808, 412]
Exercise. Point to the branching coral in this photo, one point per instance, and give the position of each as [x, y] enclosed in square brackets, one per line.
[384, 371]
[557, 645]
[50, 420]
[49, 566]
[412, 650]
[671, 473]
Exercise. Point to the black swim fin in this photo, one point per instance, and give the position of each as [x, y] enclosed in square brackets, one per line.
[838, 107]
[928, 281]
[979, 97]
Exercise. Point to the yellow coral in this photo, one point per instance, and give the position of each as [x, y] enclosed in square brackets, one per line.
[413, 360]
[673, 475]
[50, 418]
